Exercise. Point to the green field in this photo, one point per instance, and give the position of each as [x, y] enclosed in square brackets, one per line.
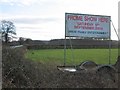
[75, 56]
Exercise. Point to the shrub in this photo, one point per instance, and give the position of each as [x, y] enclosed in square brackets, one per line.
[19, 72]
[12, 64]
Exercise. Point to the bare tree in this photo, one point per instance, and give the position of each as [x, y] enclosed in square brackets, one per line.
[7, 29]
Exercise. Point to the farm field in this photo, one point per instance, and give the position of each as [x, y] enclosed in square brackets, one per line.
[73, 57]
[39, 69]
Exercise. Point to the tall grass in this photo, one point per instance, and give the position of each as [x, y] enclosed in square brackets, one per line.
[75, 56]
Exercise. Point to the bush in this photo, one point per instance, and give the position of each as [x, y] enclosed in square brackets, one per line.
[19, 72]
[13, 64]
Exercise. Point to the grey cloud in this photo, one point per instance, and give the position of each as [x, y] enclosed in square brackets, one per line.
[34, 20]
[27, 27]
[32, 31]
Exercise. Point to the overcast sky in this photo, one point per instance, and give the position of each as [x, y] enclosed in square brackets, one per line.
[45, 19]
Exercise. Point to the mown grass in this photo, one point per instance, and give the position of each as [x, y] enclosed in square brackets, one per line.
[75, 56]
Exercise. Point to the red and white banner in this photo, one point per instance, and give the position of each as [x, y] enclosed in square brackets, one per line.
[85, 25]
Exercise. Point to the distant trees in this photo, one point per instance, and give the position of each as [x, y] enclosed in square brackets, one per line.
[7, 28]
[23, 40]
[28, 41]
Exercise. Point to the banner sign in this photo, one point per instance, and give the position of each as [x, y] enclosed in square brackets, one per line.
[85, 25]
